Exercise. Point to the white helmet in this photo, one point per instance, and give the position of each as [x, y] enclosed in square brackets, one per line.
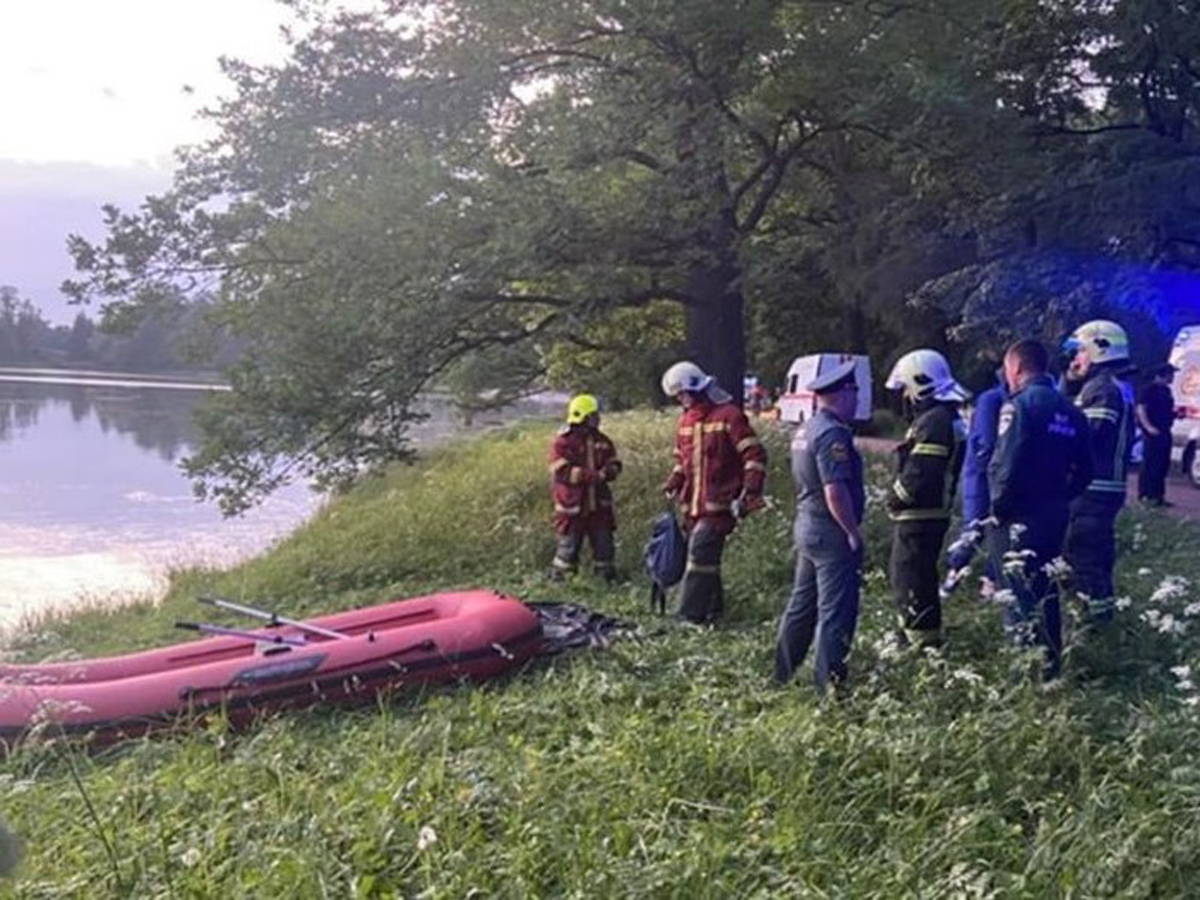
[684, 376]
[1103, 341]
[924, 375]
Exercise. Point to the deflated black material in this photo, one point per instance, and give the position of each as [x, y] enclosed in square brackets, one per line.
[566, 626]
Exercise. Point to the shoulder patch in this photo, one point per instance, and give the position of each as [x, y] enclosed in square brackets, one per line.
[839, 450]
[1006, 418]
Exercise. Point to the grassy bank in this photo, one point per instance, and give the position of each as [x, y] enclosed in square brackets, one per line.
[666, 766]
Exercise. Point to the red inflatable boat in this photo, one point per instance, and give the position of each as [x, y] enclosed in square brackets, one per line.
[342, 658]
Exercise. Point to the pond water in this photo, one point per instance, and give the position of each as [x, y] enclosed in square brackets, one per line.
[93, 505]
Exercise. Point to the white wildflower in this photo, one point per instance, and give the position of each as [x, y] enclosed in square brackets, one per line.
[1168, 624]
[1151, 617]
[1003, 596]
[1124, 602]
[1020, 554]
[1192, 609]
[426, 837]
[1170, 588]
[1143, 571]
[1192, 700]
[887, 647]
[1015, 530]
[1181, 671]
[1014, 566]
[1185, 685]
[968, 675]
[1057, 568]
[191, 856]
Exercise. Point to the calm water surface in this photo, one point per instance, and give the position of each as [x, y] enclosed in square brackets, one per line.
[93, 506]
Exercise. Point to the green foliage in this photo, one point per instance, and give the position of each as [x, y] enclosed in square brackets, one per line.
[622, 357]
[443, 196]
[664, 766]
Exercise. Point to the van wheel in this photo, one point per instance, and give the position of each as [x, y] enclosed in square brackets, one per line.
[1191, 465]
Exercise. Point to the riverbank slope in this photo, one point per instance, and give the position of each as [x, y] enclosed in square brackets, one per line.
[665, 766]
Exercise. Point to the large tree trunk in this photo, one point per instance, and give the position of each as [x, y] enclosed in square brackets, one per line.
[714, 318]
[856, 326]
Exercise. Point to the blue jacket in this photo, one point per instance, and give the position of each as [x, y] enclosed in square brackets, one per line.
[981, 442]
[1043, 453]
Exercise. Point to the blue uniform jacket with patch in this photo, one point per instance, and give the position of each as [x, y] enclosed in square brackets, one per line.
[1043, 453]
[823, 452]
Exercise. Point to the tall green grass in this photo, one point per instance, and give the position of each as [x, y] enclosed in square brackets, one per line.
[665, 766]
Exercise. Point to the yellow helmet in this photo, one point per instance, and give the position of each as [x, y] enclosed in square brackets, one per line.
[1103, 341]
[580, 407]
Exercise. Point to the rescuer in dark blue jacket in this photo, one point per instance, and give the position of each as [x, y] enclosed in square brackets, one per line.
[1101, 350]
[1041, 462]
[976, 503]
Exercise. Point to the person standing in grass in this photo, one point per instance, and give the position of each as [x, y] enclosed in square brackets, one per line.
[976, 503]
[830, 499]
[921, 498]
[1101, 354]
[720, 467]
[1042, 461]
[1155, 412]
[583, 462]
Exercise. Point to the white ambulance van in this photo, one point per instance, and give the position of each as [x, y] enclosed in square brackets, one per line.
[796, 404]
[1185, 433]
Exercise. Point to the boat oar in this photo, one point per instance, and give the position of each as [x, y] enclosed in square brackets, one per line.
[256, 636]
[273, 618]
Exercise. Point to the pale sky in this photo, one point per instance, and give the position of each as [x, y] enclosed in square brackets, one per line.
[102, 81]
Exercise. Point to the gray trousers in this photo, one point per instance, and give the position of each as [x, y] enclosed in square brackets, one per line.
[823, 607]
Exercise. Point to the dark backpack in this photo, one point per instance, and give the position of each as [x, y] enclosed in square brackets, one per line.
[665, 556]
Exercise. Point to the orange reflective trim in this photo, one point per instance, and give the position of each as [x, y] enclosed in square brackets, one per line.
[567, 510]
[747, 443]
[754, 464]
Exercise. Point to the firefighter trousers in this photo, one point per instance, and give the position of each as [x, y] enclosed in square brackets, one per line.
[913, 569]
[702, 596]
[1091, 551]
[569, 544]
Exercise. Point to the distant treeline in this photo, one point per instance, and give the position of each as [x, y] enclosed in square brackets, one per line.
[174, 336]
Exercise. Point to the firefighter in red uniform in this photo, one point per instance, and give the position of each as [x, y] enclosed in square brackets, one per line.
[583, 461]
[720, 466]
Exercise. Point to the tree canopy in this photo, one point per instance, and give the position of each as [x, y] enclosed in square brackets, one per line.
[459, 189]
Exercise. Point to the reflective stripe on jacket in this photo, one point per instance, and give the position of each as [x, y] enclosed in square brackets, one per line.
[582, 463]
[927, 466]
[718, 457]
[1110, 426]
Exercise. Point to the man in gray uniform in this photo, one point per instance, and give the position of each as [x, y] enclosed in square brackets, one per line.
[829, 508]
